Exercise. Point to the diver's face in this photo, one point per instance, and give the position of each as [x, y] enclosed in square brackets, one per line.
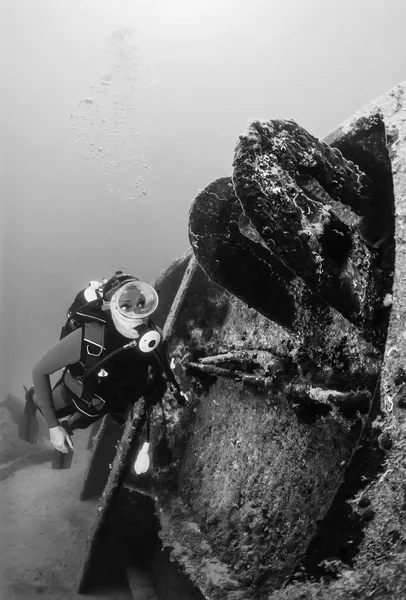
[135, 323]
[128, 327]
[131, 307]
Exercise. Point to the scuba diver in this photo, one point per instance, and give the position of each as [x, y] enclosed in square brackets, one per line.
[111, 355]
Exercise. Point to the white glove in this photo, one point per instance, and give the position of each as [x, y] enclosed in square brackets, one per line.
[60, 439]
[142, 462]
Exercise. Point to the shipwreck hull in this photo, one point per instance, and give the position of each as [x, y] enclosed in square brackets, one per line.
[243, 474]
[247, 473]
[258, 482]
[253, 470]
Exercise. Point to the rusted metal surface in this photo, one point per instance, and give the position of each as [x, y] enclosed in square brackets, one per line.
[279, 394]
[96, 554]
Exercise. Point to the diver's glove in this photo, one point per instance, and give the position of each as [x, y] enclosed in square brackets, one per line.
[60, 439]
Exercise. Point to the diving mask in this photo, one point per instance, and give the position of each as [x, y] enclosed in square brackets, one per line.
[131, 306]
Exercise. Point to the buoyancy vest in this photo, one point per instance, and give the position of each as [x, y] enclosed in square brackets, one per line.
[91, 319]
[100, 340]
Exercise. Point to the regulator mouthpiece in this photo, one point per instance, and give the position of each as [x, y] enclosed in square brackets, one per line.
[149, 340]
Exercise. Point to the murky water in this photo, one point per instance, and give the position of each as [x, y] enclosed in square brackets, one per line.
[115, 113]
[110, 126]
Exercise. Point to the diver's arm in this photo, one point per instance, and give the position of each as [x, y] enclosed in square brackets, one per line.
[64, 353]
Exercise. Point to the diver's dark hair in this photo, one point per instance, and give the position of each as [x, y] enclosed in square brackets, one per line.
[115, 282]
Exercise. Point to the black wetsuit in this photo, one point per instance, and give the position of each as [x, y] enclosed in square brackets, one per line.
[131, 374]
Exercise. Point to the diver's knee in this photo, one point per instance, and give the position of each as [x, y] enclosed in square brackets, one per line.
[79, 421]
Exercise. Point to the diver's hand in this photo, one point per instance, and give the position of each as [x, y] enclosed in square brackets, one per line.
[60, 439]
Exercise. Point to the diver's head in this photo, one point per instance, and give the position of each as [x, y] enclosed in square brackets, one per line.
[131, 302]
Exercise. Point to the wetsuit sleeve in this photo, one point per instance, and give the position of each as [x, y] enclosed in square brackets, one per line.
[64, 353]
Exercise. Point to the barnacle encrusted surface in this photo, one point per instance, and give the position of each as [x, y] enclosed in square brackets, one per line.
[284, 178]
[263, 467]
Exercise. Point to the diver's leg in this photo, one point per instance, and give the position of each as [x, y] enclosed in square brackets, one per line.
[28, 426]
[78, 420]
[62, 401]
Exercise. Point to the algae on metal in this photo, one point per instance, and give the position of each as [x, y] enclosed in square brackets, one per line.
[245, 473]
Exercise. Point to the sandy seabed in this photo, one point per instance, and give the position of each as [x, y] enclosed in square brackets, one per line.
[44, 527]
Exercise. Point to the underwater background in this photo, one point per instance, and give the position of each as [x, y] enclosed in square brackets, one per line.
[114, 113]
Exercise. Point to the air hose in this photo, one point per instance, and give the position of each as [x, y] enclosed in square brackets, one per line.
[96, 367]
